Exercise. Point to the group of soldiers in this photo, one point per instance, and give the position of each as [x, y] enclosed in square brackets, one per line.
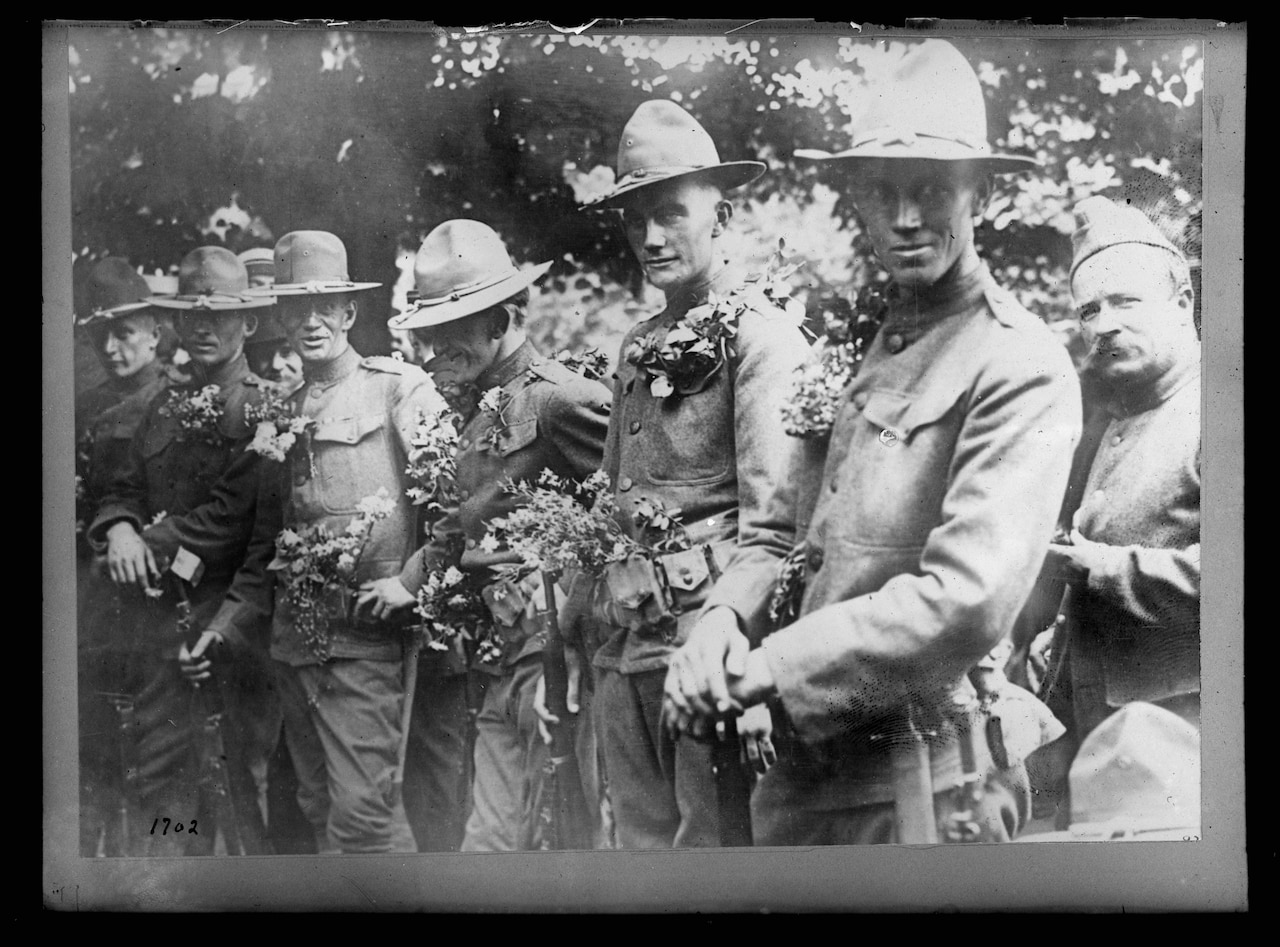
[851, 612]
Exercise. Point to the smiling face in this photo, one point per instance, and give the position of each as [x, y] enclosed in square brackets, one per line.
[672, 228]
[918, 214]
[317, 325]
[1134, 315]
[466, 347]
[127, 344]
[278, 364]
[214, 338]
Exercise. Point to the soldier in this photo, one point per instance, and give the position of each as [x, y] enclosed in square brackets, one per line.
[925, 531]
[1132, 563]
[471, 310]
[343, 678]
[125, 332]
[185, 472]
[701, 437]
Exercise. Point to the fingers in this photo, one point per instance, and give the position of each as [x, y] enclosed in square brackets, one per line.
[545, 716]
[149, 561]
[571, 692]
[768, 755]
[735, 660]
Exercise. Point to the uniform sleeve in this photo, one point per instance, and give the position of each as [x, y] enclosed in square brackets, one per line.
[125, 495]
[577, 418]
[439, 553]
[767, 461]
[250, 599]
[921, 631]
[1156, 587]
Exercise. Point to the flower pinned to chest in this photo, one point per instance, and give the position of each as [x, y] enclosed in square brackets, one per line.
[810, 407]
[276, 426]
[681, 358]
[433, 456]
[591, 364]
[198, 413]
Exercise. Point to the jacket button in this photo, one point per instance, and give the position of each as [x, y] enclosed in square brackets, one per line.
[635, 427]
[471, 544]
[860, 400]
[464, 444]
[895, 343]
[625, 483]
[815, 559]
[464, 495]
[835, 486]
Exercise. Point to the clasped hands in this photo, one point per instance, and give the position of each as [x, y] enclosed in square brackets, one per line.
[715, 676]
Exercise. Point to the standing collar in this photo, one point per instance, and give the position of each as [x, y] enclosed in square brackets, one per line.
[501, 374]
[333, 371]
[720, 280]
[949, 296]
[222, 375]
[138, 380]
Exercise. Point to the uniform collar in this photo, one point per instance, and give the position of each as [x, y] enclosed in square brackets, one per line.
[1126, 402]
[918, 309]
[513, 365]
[228, 373]
[138, 380]
[331, 372]
[720, 280]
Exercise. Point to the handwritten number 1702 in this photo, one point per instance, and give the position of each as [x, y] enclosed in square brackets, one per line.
[177, 827]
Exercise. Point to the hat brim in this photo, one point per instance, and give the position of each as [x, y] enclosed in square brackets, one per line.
[106, 315]
[934, 151]
[326, 288]
[425, 315]
[208, 305]
[729, 175]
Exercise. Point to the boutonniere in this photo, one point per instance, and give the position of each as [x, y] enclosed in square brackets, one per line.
[276, 426]
[592, 364]
[433, 454]
[198, 413]
[493, 402]
[810, 408]
[698, 344]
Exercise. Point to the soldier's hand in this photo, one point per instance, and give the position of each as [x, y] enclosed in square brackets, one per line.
[130, 561]
[383, 598]
[697, 679]
[573, 662]
[755, 731]
[197, 662]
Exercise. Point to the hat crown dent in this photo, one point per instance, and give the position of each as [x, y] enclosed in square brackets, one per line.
[307, 256]
[460, 255]
[208, 270]
[661, 135]
[113, 282]
[933, 92]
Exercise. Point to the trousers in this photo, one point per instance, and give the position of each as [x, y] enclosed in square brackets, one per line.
[662, 791]
[342, 727]
[437, 775]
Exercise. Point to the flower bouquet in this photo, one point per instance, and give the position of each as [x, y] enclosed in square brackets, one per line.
[276, 426]
[198, 413]
[432, 468]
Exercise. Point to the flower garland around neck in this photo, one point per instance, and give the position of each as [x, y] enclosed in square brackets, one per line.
[198, 413]
[276, 425]
[698, 344]
[810, 408]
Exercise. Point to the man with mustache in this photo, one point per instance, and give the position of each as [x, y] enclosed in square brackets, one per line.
[703, 437]
[187, 483]
[924, 515]
[1132, 563]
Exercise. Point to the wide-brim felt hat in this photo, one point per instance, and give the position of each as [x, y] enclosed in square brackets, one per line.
[213, 280]
[462, 268]
[662, 142]
[932, 108]
[112, 288]
[310, 262]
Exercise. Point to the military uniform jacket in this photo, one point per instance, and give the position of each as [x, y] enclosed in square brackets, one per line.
[928, 525]
[1133, 631]
[365, 411]
[551, 419]
[715, 454]
[204, 486]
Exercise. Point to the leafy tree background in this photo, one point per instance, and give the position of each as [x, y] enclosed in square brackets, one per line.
[181, 138]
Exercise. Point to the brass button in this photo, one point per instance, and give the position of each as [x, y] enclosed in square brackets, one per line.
[816, 557]
[835, 486]
[1117, 439]
[888, 437]
[464, 495]
[895, 343]
[685, 572]
[625, 483]
[464, 444]
[635, 427]
[860, 400]
[471, 544]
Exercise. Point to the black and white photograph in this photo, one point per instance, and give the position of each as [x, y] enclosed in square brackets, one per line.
[643, 465]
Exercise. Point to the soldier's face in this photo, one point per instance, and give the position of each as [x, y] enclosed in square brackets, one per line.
[127, 344]
[918, 214]
[214, 338]
[278, 364]
[317, 325]
[466, 347]
[1132, 316]
[672, 229]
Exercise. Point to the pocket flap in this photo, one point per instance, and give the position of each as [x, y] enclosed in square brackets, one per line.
[632, 582]
[506, 602]
[905, 413]
[686, 570]
[347, 430]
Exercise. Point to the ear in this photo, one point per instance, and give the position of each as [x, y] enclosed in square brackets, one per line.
[724, 213]
[353, 310]
[499, 321]
[250, 324]
[981, 195]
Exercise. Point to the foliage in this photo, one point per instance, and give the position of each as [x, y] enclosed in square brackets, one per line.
[185, 137]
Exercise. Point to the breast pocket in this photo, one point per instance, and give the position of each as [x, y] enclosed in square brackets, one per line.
[348, 458]
[895, 473]
[689, 438]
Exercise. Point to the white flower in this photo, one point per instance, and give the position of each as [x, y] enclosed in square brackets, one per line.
[489, 543]
[452, 576]
[661, 386]
[491, 400]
